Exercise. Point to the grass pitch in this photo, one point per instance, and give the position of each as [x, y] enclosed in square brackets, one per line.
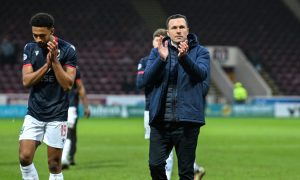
[113, 149]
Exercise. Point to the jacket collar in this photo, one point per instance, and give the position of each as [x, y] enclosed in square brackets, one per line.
[193, 40]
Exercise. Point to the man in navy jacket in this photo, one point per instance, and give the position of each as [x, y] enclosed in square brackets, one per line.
[176, 71]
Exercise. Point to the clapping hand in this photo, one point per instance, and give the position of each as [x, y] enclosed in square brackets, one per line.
[183, 48]
[53, 50]
[163, 48]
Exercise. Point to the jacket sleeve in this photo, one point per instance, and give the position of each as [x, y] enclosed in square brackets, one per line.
[205, 85]
[154, 68]
[199, 68]
[140, 73]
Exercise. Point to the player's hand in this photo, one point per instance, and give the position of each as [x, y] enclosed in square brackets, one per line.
[163, 49]
[87, 112]
[53, 50]
[183, 48]
[48, 61]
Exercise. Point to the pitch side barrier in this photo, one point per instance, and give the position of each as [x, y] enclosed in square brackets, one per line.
[212, 110]
[127, 106]
[284, 106]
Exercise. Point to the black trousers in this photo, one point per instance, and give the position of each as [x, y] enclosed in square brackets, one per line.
[166, 135]
[72, 135]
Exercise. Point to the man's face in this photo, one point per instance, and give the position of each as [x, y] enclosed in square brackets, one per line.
[41, 35]
[155, 42]
[178, 30]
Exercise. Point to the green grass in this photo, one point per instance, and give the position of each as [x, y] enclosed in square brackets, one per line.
[113, 149]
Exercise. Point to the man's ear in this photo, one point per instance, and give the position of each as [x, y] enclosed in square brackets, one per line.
[168, 33]
[52, 31]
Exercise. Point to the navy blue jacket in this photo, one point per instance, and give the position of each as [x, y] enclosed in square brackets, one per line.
[140, 81]
[193, 69]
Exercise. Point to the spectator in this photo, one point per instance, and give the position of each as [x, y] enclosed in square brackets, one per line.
[240, 94]
[7, 51]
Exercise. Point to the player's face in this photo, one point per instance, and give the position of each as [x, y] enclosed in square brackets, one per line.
[178, 30]
[155, 42]
[41, 35]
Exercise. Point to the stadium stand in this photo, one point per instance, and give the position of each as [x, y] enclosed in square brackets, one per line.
[265, 27]
[111, 37]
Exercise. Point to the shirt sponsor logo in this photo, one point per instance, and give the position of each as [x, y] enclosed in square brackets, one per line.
[48, 78]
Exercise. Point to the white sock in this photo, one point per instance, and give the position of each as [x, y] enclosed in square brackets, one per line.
[196, 167]
[66, 152]
[29, 172]
[169, 165]
[56, 176]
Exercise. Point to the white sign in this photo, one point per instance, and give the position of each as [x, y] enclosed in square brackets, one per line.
[227, 56]
[125, 100]
[3, 99]
[287, 110]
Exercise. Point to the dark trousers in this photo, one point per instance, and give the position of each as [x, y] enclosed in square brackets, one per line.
[72, 135]
[163, 137]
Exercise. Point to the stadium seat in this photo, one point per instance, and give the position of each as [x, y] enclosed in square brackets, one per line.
[112, 43]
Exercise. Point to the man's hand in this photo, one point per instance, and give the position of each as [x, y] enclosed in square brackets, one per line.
[48, 62]
[183, 48]
[163, 49]
[53, 51]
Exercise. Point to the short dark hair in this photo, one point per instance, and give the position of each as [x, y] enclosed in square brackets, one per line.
[42, 20]
[176, 16]
[160, 32]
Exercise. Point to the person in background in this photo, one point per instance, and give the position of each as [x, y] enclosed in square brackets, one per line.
[240, 94]
[8, 51]
[77, 92]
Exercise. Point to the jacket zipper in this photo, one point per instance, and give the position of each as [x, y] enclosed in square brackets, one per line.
[174, 105]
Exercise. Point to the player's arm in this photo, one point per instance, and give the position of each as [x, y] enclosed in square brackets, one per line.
[83, 97]
[30, 77]
[64, 75]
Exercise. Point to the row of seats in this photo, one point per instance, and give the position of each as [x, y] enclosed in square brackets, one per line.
[265, 27]
[111, 37]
